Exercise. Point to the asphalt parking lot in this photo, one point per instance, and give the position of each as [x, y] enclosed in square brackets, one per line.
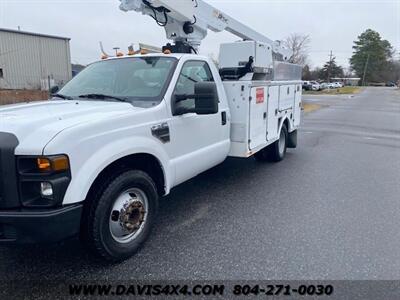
[331, 210]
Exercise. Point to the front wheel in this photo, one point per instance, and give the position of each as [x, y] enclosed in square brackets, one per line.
[121, 216]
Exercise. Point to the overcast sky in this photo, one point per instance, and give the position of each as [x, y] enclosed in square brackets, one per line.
[332, 25]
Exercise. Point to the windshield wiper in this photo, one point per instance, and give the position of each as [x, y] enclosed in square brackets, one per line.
[102, 96]
[63, 97]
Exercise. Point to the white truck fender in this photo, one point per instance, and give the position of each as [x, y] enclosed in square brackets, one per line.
[84, 176]
[291, 125]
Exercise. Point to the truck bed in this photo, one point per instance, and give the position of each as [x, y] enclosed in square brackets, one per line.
[258, 108]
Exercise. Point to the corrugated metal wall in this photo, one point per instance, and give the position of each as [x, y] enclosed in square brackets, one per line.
[27, 60]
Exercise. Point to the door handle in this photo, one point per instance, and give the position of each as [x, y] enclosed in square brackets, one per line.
[223, 117]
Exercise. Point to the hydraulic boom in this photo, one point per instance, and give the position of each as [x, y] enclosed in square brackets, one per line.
[186, 22]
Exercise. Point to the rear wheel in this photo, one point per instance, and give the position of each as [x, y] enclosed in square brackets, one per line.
[277, 151]
[121, 216]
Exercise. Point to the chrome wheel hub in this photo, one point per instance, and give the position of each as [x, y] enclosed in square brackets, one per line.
[128, 215]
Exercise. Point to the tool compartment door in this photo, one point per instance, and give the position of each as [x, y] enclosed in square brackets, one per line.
[297, 106]
[286, 97]
[258, 117]
[272, 118]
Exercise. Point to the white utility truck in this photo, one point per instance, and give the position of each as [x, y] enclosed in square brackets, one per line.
[94, 160]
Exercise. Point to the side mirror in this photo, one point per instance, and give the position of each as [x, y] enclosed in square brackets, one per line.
[206, 98]
[54, 89]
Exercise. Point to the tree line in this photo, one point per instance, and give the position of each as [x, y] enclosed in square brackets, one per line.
[373, 60]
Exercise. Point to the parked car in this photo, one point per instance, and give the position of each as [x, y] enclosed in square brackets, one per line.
[315, 86]
[337, 85]
[334, 85]
[324, 85]
[307, 86]
[390, 84]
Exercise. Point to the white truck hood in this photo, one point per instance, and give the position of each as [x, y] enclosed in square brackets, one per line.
[36, 123]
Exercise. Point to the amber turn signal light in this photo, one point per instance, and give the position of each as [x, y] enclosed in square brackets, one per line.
[43, 164]
[55, 163]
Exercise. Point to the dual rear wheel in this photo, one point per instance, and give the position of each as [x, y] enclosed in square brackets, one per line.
[277, 151]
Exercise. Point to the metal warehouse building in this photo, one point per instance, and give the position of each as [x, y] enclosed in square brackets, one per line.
[33, 61]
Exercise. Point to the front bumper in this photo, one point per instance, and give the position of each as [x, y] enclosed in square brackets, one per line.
[40, 226]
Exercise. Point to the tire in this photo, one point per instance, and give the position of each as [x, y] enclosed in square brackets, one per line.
[120, 217]
[274, 152]
[279, 148]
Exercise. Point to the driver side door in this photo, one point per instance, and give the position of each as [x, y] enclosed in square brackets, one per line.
[198, 142]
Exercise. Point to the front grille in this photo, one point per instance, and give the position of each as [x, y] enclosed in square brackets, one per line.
[8, 173]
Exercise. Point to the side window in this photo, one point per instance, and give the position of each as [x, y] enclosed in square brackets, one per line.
[192, 73]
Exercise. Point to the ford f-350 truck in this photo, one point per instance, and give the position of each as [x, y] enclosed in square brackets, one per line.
[94, 160]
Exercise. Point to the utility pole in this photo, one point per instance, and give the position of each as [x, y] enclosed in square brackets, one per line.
[365, 70]
[330, 67]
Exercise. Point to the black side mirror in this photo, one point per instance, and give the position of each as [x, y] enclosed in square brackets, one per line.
[206, 98]
[54, 89]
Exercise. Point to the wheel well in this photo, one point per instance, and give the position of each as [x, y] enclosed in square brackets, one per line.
[144, 162]
[286, 122]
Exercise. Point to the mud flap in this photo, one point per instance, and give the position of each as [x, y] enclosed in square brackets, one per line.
[292, 140]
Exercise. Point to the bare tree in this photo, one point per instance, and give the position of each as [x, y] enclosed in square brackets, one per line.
[299, 44]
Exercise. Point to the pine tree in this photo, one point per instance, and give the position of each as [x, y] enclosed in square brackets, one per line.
[371, 56]
[331, 70]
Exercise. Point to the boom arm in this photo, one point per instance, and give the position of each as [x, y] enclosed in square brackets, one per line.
[187, 21]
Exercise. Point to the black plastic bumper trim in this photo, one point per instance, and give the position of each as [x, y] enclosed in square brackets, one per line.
[45, 226]
[9, 197]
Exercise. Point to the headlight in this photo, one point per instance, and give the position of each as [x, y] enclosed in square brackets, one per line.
[41, 165]
[43, 180]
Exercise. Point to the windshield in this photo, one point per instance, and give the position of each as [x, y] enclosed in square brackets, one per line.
[136, 79]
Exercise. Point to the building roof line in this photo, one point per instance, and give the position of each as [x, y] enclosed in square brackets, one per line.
[34, 34]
